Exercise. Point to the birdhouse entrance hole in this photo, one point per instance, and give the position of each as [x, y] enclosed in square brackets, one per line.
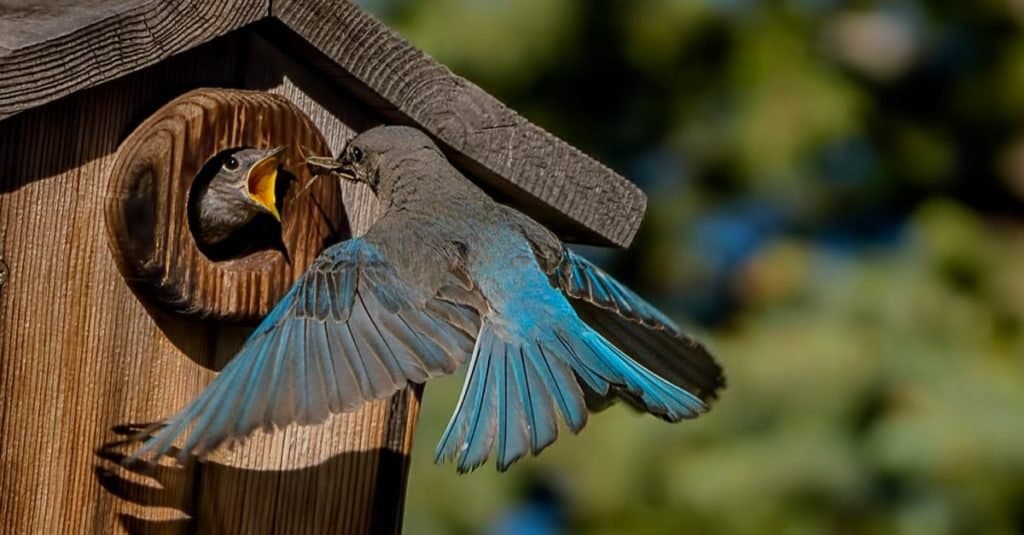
[247, 238]
[156, 182]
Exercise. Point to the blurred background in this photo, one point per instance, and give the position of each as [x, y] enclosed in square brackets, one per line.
[836, 206]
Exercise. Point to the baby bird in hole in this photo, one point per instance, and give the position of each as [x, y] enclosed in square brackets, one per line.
[242, 187]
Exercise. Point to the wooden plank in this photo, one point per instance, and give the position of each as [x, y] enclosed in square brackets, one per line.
[51, 49]
[79, 353]
[542, 174]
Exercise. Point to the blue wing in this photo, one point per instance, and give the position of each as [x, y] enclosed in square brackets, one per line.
[350, 330]
[637, 329]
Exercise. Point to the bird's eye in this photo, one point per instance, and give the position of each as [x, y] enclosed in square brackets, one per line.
[231, 163]
[357, 154]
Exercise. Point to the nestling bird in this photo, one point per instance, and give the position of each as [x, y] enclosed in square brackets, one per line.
[444, 274]
[242, 187]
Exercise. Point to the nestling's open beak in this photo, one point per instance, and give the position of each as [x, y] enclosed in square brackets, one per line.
[262, 181]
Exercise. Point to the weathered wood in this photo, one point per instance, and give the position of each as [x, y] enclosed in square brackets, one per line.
[51, 49]
[147, 210]
[81, 354]
[54, 49]
[542, 174]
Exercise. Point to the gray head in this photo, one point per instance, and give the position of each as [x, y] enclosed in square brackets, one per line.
[242, 186]
[388, 157]
[246, 181]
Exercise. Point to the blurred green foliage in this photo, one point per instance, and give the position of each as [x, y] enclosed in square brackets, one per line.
[836, 205]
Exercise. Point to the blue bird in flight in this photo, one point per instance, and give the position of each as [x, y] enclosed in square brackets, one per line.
[447, 273]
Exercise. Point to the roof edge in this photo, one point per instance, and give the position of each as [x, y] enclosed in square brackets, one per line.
[54, 54]
[52, 51]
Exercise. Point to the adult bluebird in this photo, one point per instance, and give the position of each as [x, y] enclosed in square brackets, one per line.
[443, 275]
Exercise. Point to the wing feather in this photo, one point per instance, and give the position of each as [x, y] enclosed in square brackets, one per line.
[350, 330]
[638, 329]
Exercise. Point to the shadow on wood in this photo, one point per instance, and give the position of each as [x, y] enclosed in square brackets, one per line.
[347, 493]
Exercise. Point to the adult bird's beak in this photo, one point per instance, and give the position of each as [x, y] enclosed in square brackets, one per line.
[262, 181]
[344, 169]
[325, 165]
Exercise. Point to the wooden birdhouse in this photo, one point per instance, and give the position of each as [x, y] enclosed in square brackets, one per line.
[112, 315]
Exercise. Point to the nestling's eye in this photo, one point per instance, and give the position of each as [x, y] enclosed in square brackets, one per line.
[230, 163]
[357, 154]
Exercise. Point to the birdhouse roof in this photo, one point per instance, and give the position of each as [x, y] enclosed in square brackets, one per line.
[49, 49]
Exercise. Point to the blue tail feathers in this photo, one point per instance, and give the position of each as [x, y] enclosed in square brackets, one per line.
[510, 396]
[515, 386]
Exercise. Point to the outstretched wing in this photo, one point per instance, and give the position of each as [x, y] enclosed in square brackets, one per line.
[350, 330]
[638, 329]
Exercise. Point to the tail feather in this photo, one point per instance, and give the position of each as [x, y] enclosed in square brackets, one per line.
[541, 425]
[508, 401]
[560, 383]
[483, 421]
[513, 411]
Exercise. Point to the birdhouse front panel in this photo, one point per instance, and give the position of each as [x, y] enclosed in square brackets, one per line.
[112, 318]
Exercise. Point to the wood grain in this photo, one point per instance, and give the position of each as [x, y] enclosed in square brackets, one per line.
[542, 174]
[147, 208]
[81, 354]
[51, 49]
